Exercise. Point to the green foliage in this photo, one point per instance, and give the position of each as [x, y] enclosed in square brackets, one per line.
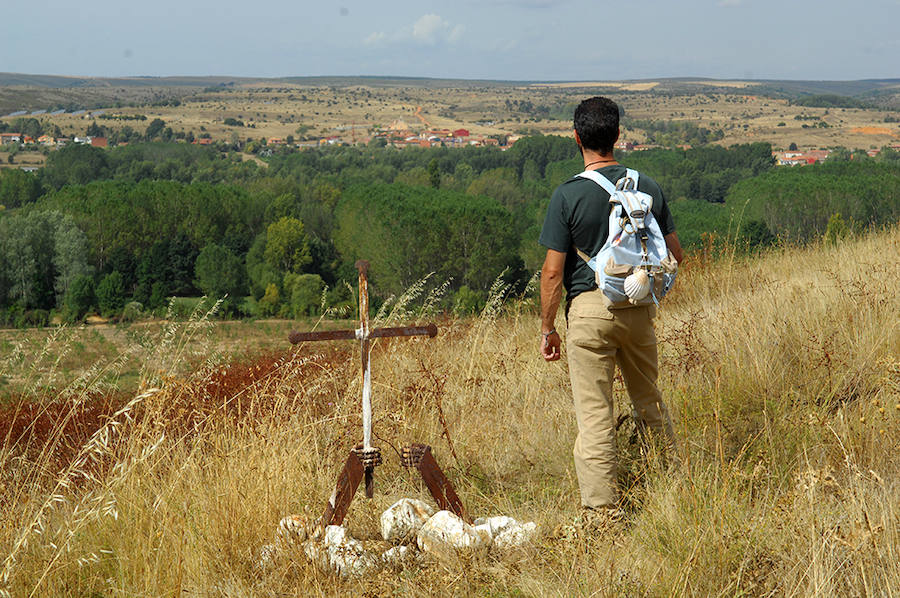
[304, 293]
[409, 232]
[797, 203]
[541, 151]
[467, 302]
[80, 298]
[70, 252]
[159, 295]
[43, 252]
[18, 188]
[111, 294]
[836, 229]
[268, 305]
[27, 126]
[154, 129]
[220, 272]
[500, 185]
[829, 100]
[673, 133]
[132, 312]
[705, 173]
[434, 174]
[145, 210]
[287, 247]
[135, 216]
[694, 218]
[74, 165]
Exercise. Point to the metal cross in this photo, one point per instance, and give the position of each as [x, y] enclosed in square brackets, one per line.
[363, 458]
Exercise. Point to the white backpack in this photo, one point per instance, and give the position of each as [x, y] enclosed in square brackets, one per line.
[634, 266]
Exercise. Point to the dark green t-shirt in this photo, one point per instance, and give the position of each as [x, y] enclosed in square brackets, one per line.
[579, 216]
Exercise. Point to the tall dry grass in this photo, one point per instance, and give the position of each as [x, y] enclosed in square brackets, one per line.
[782, 373]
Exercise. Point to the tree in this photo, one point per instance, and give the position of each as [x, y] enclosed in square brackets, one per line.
[70, 256]
[792, 147]
[21, 266]
[268, 305]
[304, 292]
[220, 272]
[287, 247]
[94, 130]
[154, 129]
[80, 298]
[434, 174]
[18, 188]
[111, 294]
[75, 165]
[412, 231]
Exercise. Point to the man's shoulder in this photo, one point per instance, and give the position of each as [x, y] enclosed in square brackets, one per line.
[574, 186]
[648, 185]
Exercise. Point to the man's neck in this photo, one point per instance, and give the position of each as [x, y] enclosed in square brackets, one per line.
[593, 159]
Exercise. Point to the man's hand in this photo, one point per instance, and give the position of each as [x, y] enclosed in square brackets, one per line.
[551, 293]
[550, 346]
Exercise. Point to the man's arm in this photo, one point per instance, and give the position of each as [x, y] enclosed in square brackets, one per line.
[551, 294]
[674, 245]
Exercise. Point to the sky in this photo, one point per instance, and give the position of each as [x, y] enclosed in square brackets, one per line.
[518, 40]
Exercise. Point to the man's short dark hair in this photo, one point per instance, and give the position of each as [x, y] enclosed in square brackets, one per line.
[597, 124]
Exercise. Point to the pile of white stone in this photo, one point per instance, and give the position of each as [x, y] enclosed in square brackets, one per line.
[413, 530]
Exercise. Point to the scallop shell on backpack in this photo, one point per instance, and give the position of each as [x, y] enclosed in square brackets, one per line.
[637, 284]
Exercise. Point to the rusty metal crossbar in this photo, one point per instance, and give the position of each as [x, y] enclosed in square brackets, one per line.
[362, 460]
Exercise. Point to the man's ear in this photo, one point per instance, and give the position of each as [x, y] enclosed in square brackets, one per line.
[577, 138]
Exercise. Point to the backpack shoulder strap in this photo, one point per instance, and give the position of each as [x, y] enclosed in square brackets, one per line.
[598, 178]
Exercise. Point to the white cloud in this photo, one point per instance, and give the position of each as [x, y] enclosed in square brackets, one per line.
[430, 29]
[456, 33]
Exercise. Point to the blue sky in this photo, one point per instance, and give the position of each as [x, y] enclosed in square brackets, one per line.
[492, 39]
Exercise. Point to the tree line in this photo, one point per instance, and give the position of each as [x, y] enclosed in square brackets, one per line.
[129, 227]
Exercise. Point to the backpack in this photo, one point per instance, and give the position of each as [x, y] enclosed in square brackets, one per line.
[634, 266]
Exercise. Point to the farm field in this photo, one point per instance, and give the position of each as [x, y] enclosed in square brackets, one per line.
[352, 110]
[781, 370]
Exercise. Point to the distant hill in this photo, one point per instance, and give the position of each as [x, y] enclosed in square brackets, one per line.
[21, 92]
[860, 88]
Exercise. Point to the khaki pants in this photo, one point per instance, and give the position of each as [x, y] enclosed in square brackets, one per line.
[598, 338]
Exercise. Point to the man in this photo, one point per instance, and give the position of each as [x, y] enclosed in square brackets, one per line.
[599, 336]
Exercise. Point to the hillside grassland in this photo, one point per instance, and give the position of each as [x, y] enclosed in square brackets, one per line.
[782, 372]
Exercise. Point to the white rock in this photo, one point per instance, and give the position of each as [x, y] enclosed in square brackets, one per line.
[341, 553]
[403, 520]
[399, 555]
[515, 535]
[494, 525]
[445, 535]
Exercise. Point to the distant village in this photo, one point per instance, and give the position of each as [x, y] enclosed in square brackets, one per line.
[399, 134]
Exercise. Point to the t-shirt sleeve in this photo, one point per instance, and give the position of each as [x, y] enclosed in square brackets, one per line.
[660, 207]
[666, 222]
[555, 232]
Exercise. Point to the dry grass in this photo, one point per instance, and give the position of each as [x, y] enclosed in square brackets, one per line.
[782, 373]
